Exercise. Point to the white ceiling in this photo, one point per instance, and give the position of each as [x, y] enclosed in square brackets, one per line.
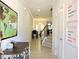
[43, 5]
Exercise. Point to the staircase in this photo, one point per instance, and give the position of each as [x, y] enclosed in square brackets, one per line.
[46, 35]
[47, 41]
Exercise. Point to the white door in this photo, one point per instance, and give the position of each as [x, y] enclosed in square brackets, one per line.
[61, 34]
[59, 28]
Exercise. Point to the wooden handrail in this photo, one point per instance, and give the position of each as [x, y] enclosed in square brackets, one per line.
[44, 28]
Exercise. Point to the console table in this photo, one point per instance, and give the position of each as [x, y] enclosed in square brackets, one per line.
[20, 51]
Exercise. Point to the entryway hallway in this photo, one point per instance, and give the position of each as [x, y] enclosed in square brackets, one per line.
[37, 51]
[34, 15]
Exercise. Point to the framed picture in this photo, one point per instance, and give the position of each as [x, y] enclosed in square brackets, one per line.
[8, 21]
[72, 22]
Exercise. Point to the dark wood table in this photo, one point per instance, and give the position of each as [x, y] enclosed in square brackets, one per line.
[19, 48]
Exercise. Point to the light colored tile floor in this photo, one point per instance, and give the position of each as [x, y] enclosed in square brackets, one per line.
[39, 52]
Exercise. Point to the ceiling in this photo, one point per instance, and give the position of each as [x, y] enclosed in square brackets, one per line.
[44, 6]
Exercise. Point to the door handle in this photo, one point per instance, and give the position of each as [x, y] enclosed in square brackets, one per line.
[61, 39]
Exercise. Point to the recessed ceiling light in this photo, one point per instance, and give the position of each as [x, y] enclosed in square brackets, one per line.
[38, 10]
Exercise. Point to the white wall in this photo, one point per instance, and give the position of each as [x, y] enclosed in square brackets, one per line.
[69, 51]
[24, 20]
